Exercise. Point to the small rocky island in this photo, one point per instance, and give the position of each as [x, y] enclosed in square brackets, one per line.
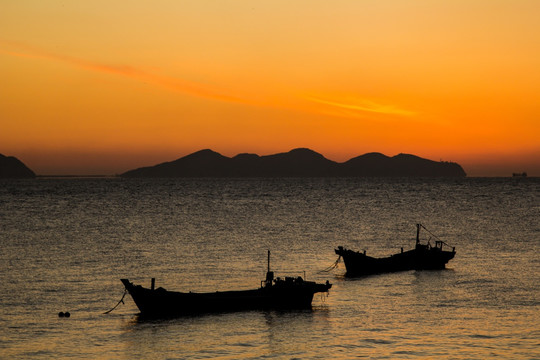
[13, 168]
[297, 163]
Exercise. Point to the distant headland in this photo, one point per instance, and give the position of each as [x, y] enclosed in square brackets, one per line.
[13, 168]
[300, 162]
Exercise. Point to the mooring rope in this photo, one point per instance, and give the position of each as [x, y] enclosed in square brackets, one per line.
[331, 267]
[121, 301]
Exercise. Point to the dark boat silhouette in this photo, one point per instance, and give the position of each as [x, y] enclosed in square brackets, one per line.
[287, 293]
[422, 257]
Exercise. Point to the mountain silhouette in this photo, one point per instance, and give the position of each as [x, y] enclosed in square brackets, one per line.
[300, 162]
[295, 163]
[379, 165]
[11, 167]
[203, 163]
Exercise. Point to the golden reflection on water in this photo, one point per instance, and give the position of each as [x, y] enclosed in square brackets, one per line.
[82, 236]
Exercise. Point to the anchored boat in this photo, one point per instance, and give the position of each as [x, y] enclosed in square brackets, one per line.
[278, 293]
[422, 257]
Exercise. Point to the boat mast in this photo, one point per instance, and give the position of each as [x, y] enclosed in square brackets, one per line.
[269, 274]
[418, 233]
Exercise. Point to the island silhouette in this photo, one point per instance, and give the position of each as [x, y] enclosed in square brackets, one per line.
[13, 168]
[299, 162]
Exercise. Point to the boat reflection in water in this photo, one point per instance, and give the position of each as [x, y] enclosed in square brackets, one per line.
[287, 293]
[422, 257]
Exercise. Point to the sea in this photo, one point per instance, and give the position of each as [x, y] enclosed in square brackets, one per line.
[65, 243]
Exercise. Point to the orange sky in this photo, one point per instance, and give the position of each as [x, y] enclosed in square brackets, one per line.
[101, 87]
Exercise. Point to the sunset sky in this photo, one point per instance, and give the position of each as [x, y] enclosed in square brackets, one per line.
[101, 87]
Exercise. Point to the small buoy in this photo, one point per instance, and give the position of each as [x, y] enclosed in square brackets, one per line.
[61, 314]
[67, 314]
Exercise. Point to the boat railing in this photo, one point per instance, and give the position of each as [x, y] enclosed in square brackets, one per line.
[269, 282]
[439, 245]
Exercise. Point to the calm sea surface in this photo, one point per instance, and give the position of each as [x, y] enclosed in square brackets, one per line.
[65, 243]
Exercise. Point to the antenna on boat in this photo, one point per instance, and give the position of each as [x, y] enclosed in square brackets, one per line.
[269, 274]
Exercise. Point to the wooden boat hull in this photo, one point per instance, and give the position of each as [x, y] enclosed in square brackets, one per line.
[422, 257]
[358, 264]
[160, 302]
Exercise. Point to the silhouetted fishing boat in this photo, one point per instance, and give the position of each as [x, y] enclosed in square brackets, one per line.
[287, 293]
[422, 257]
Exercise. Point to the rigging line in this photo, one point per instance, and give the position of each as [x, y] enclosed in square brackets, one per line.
[121, 301]
[432, 234]
[435, 236]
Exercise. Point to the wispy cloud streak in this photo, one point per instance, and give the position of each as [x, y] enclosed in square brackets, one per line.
[346, 106]
[172, 83]
[363, 105]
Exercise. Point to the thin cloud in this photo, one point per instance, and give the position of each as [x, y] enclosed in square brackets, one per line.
[351, 108]
[364, 105]
[175, 84]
